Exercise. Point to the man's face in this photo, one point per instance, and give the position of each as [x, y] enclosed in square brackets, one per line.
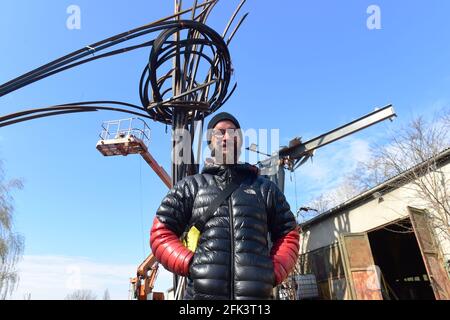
[226, 142]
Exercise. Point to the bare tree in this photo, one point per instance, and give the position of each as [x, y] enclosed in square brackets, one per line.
[344, 191]
[409, 159]
[81, 295]
[106, 295]
[11, 243]
[418, 142]
[412, 154]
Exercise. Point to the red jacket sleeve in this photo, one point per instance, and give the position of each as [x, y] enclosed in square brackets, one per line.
[284, 254]
[169, 250]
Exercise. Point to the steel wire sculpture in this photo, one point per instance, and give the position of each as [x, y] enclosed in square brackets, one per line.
[187, 76]
[198, 97]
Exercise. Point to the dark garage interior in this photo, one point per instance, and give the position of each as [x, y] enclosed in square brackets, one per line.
[396, 252]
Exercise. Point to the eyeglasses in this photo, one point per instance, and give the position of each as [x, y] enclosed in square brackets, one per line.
[220, 133]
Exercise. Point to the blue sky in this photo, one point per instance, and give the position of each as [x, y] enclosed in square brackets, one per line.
[303, 67]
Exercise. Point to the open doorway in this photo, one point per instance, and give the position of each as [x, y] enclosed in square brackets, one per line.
[396, 252]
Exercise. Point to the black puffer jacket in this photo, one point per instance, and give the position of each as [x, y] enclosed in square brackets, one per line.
[232, 259]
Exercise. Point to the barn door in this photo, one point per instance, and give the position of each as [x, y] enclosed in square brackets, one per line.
[360, 270]
[436, 273]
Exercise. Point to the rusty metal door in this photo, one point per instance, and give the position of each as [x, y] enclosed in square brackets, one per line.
[427, 243]
[363, 278]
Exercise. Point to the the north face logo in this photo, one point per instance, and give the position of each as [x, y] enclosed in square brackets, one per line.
[250, 191]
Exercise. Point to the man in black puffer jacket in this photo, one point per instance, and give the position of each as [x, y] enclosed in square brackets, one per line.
[233, 259]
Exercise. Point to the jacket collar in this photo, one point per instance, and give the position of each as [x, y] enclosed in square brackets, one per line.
[230, 170]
